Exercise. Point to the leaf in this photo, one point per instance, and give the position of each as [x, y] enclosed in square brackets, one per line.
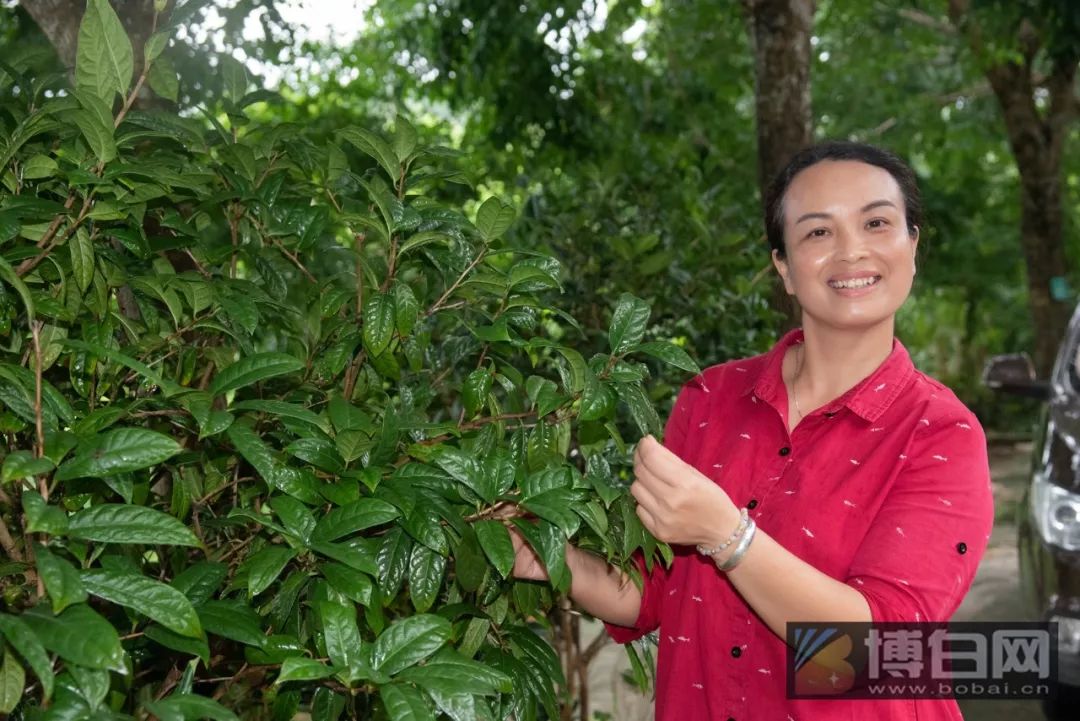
[118, 451]
[233, 620]
[494, 218]
[61, 579]
[628, 323]
[475, 390]
[289, 480]
[8, 274]
[393, 561]
[301, 668]
[597, 399]
[156, 44]
[451, 673]
[426, 571]
[197, 647]
[495, 541]
[406, 308]
[670, 354]
[285, 410]
[409, 641]
[265, 566]
[27, 645]
[252, 369]
[357, 516]
[79, 635]
[641, 408]
[22, 464]
[189, 707]
[104, 62]
[12, 681]
[349, 582]
[199, 581]
[405, 703]
[163, 79]
[373, 145]
[378, 323]
[151, 598]
[343, 643]
[41, 517]
[82, 258]
[97, 135]
[119, 523]
[556, 506]
[142, 369]
[423, 238]
[404, 138]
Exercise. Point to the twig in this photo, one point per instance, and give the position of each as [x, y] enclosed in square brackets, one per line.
[464, 274]
[39, 446]
[8, 543]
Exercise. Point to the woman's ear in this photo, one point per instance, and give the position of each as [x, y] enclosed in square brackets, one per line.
[780, 263]
[914, 250]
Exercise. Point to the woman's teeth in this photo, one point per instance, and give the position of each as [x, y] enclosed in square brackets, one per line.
[857, 283]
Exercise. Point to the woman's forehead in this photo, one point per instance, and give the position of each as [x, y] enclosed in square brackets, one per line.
[840, 185]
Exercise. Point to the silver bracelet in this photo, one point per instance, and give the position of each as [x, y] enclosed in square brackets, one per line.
[744, 518]
[740, 550]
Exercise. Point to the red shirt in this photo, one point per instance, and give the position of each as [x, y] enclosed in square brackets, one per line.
[878, 489]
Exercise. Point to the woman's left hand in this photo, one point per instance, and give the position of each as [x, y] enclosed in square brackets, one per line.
[676, 502]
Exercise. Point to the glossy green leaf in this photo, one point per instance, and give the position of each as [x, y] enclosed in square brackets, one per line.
[189, 707]
[628, 323]
[495, 541]
[374, 146]
[379, 323]
[426, 571]
[349, 582]
[670, 354]
[105, 62]
[405, 703]
[494, 218]
[9, 276]
[409, 641]
[61, 579]
[151, 598]
[358, 516]
[343, 643]
[22, 464]
[118, 451]
[79, 635]
[118, 523]
[450, 672]
[233, 620]
[81, 250]
[301, 668]
[252, 369]
[12, 681]
[642, 409]
[265, 566]
[26, 643]
[197, 647]
[41, 517]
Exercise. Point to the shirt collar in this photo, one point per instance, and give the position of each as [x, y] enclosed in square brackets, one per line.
[868, 399]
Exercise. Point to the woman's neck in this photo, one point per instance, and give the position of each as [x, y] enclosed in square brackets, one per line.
[834, 360]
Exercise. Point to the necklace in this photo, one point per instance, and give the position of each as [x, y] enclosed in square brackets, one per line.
[795, 379]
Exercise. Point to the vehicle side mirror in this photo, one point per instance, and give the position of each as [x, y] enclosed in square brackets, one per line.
[1015, 374]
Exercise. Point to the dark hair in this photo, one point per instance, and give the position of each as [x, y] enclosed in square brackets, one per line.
[839, 150]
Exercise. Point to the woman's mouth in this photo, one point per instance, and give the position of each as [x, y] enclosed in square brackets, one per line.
[855, 284]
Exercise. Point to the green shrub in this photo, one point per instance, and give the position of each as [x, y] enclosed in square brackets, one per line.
[268, 408]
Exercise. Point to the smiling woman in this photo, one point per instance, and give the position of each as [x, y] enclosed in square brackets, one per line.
[827, 480]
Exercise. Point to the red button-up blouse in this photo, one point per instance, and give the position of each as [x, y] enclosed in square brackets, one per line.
[878, 489]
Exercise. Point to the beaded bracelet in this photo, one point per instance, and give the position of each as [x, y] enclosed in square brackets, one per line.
[744, 518]
[740, 550]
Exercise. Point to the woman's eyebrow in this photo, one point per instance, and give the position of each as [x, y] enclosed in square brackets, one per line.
[828, 216]
[877, 204]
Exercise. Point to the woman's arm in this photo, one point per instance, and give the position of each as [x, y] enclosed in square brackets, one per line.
[597, 587]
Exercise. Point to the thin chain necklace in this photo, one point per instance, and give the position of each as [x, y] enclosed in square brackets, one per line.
[795, 380]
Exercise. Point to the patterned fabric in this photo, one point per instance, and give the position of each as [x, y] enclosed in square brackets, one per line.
[886, 488]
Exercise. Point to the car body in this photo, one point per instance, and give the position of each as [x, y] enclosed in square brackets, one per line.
[1048, 523]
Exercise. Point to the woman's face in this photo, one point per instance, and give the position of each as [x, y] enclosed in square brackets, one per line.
[850, 260]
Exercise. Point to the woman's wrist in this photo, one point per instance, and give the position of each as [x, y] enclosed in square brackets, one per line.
[722, 524]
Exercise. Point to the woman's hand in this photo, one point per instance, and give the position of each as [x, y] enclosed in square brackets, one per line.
[676, 502]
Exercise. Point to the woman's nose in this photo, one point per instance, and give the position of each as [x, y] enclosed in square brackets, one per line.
[851, 245]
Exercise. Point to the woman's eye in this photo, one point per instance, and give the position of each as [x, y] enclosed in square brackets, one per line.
[817, 233]
[877, 223]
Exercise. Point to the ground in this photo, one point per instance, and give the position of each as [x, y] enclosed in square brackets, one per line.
[994, 596]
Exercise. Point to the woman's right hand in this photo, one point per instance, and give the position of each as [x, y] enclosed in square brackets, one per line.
[527, 564]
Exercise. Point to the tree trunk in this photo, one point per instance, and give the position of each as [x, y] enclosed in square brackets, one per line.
[780, 39]
[1037, 140]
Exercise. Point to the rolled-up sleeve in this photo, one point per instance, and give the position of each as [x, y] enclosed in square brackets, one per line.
[920, 555]
[653, 582]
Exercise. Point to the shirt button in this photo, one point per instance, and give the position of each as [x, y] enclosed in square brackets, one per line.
[785, 450]
[961, 548]
[752, 504]
[736, 651]
[730, 718]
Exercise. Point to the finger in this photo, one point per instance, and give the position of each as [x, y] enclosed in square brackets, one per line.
[662, 462]
[647, 520]
[656, 482]
[643, 495]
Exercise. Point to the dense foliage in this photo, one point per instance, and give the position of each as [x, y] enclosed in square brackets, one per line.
[270, 399]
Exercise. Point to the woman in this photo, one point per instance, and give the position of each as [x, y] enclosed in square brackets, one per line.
[865, 482]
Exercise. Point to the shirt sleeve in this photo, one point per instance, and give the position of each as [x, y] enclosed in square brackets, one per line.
[653, 582]
[920, 555]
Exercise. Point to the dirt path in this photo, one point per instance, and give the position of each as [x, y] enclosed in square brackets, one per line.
[994, 596]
